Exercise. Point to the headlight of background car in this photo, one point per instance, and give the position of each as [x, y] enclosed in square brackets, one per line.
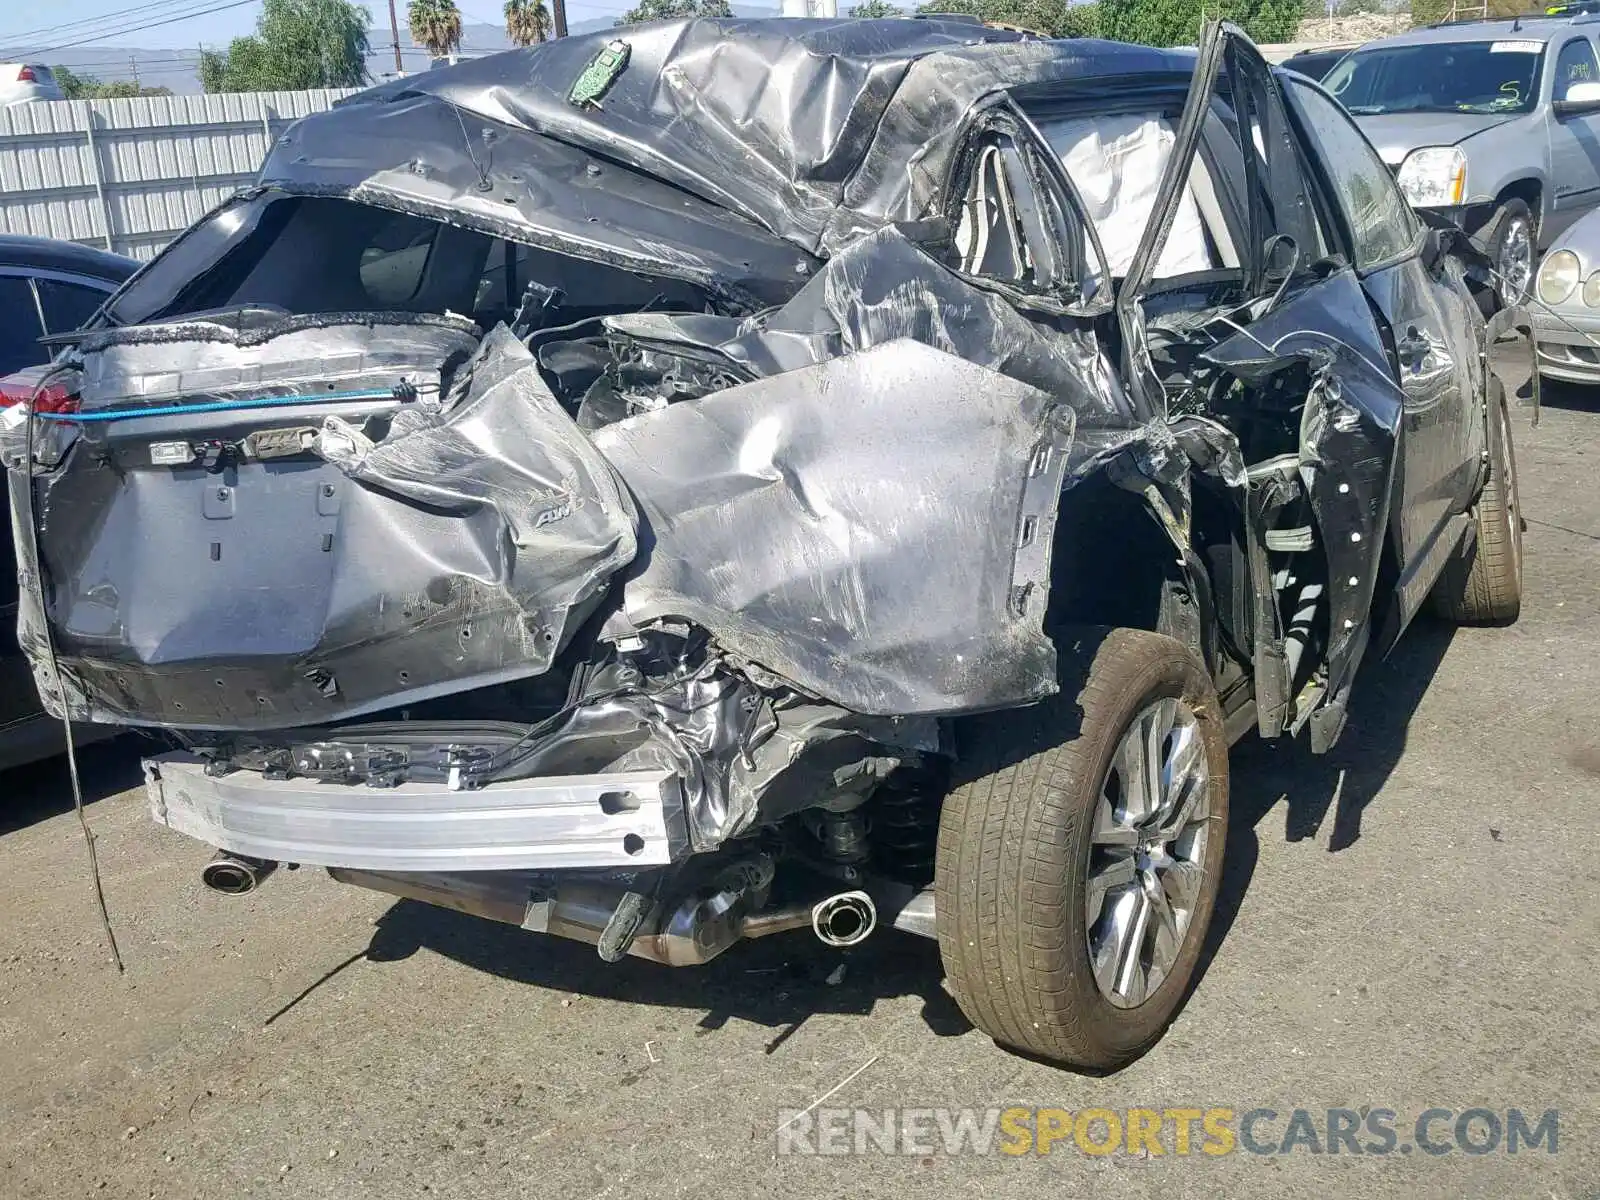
[1434, 176]
[1591, 290]
[1558, 275]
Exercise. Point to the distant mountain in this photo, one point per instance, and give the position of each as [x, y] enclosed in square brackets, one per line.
[179, 69]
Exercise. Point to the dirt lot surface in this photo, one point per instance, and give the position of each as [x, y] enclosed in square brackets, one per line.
[1409, 923]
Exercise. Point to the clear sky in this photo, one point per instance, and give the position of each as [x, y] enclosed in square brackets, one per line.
[49, 23]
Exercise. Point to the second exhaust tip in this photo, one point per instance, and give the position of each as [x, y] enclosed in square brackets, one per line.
[845, 919]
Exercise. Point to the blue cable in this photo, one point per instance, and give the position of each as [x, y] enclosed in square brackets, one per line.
[173, 410]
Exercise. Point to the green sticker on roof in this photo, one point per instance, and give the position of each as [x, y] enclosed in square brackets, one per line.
[599, 75]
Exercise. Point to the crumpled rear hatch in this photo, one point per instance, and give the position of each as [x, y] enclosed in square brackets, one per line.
[210, 562]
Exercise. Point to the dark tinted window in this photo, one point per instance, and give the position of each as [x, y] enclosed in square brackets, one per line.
[1576, 64]
[67, 306]
[318, 254]
[19, 326]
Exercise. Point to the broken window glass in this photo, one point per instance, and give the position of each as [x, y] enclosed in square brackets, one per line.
[1381, 224]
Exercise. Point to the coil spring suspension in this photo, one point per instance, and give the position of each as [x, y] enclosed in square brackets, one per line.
[903, 816]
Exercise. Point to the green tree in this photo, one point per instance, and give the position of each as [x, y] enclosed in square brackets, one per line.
[86, 87]
[1179, 22]
[435, 25]
[1080, 20]
[297, 44]
[1431, 12]
[875, 10]
[527, 21]
[1055, 18]
[663, 10]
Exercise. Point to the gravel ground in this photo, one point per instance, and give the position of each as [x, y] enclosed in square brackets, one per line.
[1408, 923]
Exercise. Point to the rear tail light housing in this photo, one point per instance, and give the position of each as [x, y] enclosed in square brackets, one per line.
[26, 75]
[51, 398]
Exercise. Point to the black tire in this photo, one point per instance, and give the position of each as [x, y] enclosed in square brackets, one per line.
[1014, 853]
[1483, 585]
[1511, 240]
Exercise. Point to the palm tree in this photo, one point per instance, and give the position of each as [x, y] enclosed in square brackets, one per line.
[435, 25]
[527, 21]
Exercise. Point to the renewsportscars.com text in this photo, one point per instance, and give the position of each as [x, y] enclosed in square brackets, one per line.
[1181, 1131]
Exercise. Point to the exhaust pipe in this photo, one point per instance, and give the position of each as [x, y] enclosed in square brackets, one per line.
[846, 919]
[235, 874]
[696, 930]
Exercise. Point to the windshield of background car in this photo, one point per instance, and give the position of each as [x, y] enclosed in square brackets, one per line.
[1474, 77]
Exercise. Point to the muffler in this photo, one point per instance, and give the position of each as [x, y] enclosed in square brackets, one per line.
[235, 874]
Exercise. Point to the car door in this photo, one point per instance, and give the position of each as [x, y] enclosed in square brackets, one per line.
[1312, 317]
[1434, 334]
[1574, 140]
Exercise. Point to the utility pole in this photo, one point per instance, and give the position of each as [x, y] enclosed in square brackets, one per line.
[394, 30]
[558, 14]
[133, 65]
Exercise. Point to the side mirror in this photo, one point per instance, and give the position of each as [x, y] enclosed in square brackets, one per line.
[1433, 247]
[1581, 98]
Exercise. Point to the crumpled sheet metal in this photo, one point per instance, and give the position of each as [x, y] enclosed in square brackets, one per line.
[875, 529]
[462, 551]
[882, 288]
[780, 121]
[1349, 441]
[188, 359]
[508, 445]
[420, 154]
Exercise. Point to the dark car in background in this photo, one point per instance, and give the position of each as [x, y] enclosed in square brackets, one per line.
[46, 287]
[1318, 61]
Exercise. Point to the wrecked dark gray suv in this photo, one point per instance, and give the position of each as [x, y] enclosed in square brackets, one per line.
[757, 475]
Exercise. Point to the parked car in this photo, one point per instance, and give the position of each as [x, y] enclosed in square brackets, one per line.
[590, 488]
[1316, 62]
[1566, 321]
[24, 83]
[1490, 123]
[54, 287]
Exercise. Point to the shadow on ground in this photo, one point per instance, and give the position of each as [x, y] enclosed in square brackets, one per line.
[44, 789]
[1316, 789]
[782, 981]
[777, 982]
[1574, 396]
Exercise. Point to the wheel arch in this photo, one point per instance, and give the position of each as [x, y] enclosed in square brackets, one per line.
[1114, 562]
[1531, 191]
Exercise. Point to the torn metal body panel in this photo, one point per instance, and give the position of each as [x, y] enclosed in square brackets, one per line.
[432, 156]
[796, 519]
[1348, 441]
[290, 565]
[818, 130]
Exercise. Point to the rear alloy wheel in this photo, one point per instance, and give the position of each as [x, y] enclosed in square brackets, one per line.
[1511, 250]
[1483, 585]
[1081, 851]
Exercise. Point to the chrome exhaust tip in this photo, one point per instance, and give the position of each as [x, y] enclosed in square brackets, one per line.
[235, 874]
[846, 919]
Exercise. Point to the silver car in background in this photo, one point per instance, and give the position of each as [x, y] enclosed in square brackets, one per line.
[1566, 321]
[23, 83]
[1494, 124]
